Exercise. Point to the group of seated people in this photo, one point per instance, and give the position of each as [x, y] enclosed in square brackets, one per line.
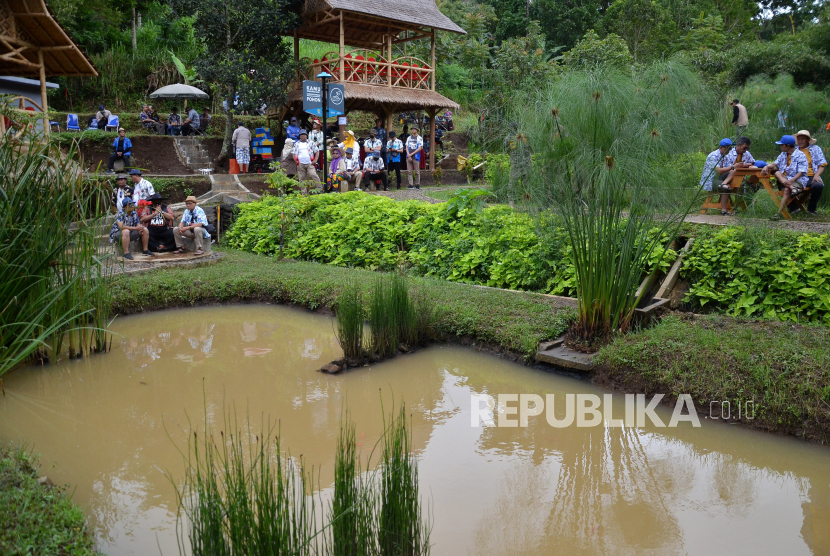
[174, 125]
[797, 169]
[301, 157]
[143, 216]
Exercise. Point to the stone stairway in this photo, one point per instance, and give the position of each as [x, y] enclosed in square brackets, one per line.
[192, 153]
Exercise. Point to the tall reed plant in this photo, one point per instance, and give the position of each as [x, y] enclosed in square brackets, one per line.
[397, 315]
[602, 143]
[53, 281]
[350, 317]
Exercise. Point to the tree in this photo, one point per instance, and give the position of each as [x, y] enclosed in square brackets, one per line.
[645, 25]
[564, 22]
[593, 51]
[244, 52]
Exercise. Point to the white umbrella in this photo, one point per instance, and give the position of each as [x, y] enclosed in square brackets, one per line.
[179, 90]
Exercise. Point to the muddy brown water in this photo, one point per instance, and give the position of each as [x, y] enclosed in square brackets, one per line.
[110, 426]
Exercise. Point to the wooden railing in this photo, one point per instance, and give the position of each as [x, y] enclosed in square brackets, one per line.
[366, 66]
[8, 121]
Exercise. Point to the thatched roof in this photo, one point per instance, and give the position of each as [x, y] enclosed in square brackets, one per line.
[28, 26]
[371, 98]
[366, 23]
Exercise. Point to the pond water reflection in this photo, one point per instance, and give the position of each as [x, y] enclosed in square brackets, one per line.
[110, 425]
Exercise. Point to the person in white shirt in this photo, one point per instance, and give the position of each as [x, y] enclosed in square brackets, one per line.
[790, 170]
[373, 170]
[414, 152]
[305, 155]
[143, 189]
[241, 140]
[316, 137]
[373, 144]
[353, 173]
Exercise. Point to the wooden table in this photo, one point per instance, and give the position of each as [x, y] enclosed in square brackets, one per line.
[713, 201]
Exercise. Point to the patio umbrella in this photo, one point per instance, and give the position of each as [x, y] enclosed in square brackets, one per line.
[179, 91]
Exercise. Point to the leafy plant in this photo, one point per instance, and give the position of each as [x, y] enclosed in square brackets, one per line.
[465, 200]
[190, 75]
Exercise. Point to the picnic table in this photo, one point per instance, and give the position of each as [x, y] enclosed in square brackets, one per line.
[713, 201]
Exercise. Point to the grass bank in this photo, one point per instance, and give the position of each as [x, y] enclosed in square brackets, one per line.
[508, 321]
[35, 518]
[784, 368]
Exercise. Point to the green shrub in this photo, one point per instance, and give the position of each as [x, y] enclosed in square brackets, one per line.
[784, 276]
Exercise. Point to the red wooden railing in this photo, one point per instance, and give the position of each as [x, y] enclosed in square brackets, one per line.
[366, 66]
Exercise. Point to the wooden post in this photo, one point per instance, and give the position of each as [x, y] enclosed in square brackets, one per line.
[342, 51]
[43, 105]
[389, 121]
[297, 53]
[432, 58]
[431, 113]
[388, 58]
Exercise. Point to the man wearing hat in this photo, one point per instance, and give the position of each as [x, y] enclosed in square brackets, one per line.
[192, 226]
[159, 221]
[414, 152]
[122, 191]
[373, 144]
[714, 169]
[242, 143]
[128, 228]
[815, 168]
[790, 170]
[121, 148]
[142, 189]
[103, 117]
[353, 173]
[305, 155]
[394, 148]
[374, 170]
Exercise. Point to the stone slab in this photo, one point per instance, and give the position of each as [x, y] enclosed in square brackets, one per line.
[567, 358]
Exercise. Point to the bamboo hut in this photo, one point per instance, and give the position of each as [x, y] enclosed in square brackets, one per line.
[374, 80]
[33, 44]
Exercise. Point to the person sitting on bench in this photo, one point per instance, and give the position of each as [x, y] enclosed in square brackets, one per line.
[374, 170]
[102, 117]
[815, 168]
[714, 169]
[191, 124]
[174, 123]
[159, 221]
[353, 173]
[790, 170]
[739, 157]
[192, 226]
[121, 148]
[128, 228]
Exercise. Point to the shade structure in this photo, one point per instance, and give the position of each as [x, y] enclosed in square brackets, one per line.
[180, 91]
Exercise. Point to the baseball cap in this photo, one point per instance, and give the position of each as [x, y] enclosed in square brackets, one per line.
[760, 164]
[786, 140]
[376, 154]
[725, 143]
[350, 151]
[127, 202]
[135, 172]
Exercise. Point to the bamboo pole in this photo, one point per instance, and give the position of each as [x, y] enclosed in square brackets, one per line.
[388, 57]
[431, 113]
[296, 53]
[432, 58]
[342, 49]
[43, 105]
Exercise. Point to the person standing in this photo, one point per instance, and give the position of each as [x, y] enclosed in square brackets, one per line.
[174, 123]
[380, 134]
[287, 162]
[790, 170]
[122, 191]
[293, 130]
[241, 140]
[816, 162]
[373, 144]
[192, 226]
[305, 155]
[121, 148]
[414, 151]
[740, 119]
[394, 149]
[373, 170]
[316, 137]
[143, 189]
[191, 123]
[102, 117]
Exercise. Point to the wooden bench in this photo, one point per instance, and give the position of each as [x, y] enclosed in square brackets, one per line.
[713, 201]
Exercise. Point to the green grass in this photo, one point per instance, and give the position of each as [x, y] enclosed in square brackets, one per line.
[37, 519]
[449, 193]
[783, 368]
[508, 320]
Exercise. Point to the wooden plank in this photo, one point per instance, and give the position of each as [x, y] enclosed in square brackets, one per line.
[674, 272]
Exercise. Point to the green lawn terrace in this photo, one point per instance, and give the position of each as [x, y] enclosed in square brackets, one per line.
[375, 80]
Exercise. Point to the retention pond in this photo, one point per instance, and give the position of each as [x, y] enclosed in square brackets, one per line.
[110, 425]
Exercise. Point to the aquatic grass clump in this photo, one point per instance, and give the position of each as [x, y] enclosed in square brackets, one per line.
[53, 283]
[398, 316]
[350, 317]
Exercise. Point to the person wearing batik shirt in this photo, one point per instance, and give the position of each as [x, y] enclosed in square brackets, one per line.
[739, 157]
[373, 170]
[816, 162]
[353, 173]
[713, 171]
[414, 152]
[128, 228]
[122, 191]
[192, 226]
[305, 154]
[394, 148]
[790, 170]
[143, 189]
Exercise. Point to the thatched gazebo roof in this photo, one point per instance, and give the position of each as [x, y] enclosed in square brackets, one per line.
[371, 98]
[29, 30]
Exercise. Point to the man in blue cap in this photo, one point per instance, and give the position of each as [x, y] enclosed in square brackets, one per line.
[374, 170]
[713, 177]
[353, 173]
[790, 170]
[103, 117]
[128, 228]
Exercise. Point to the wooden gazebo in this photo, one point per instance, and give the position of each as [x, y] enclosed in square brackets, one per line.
[373, 79]
[33, 44]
